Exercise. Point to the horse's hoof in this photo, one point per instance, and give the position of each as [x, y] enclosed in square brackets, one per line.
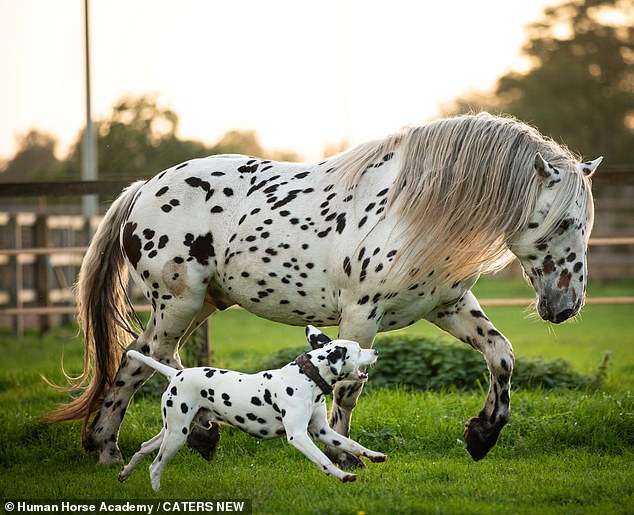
[110, 456]
[480, 437]
[204, 440]
[345, 461]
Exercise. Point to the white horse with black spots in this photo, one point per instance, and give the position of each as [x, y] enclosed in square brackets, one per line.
[374, 239]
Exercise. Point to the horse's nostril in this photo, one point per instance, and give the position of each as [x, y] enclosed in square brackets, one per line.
[563, 315]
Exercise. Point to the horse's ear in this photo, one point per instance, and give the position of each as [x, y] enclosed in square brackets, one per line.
[315, 337]
[542, 168]
[589, 167]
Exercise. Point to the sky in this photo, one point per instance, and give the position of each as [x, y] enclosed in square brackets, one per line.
[303, 74]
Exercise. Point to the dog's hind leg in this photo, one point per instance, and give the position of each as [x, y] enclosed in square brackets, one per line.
[171, 444]
[146, 448]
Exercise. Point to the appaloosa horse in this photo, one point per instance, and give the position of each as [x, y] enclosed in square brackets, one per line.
[374, 239]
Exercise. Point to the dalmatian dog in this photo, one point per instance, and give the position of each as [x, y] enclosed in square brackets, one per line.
[289, 401]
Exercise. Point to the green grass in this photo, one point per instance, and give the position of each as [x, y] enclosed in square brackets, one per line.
[562, 452]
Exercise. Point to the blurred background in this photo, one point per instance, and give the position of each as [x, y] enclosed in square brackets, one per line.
[285, 80]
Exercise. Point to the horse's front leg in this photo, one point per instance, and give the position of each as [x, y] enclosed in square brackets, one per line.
[466, 321]
[360, 328]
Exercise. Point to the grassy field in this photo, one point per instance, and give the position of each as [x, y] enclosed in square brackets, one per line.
[563, 451]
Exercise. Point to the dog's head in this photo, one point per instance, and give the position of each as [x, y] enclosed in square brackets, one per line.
[343, 359]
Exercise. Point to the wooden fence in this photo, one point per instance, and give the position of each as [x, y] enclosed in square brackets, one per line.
[40, 251]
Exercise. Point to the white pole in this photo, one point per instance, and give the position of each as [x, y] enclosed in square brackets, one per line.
[89, 158]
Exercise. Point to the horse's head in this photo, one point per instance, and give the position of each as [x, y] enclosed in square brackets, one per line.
[552, 247]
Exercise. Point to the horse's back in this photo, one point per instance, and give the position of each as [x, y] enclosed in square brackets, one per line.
[247, 228]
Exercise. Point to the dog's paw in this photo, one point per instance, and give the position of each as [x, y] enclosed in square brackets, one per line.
[348, 478]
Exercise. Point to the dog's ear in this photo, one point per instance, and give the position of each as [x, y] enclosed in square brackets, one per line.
[336, 359]
[316, 338]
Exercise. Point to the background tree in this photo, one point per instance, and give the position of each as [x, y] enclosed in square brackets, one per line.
[247, 142]
[34, 159]
[580, 86]
[137, 140]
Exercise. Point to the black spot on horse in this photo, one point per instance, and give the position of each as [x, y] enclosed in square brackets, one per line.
[341, 223]
[347, 267]
[201, 248]
[131, 243]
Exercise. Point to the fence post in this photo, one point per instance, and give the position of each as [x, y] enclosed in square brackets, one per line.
[15, 293]
[42, 279]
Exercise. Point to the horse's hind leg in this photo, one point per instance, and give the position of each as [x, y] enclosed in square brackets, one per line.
[103, 432]
[169, 324]
[466, 321]
[204, 434]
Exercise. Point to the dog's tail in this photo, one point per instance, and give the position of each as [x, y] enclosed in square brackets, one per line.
[168, 372]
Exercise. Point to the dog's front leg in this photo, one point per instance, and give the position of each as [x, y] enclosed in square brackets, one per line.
[333, 439]
[321, 431]
[296, 425]
[303, 443]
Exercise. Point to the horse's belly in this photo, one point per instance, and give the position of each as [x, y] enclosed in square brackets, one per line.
[288, 306]
[292, 292]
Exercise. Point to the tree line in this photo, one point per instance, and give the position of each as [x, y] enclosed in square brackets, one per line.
[137, 139]
[578, 89]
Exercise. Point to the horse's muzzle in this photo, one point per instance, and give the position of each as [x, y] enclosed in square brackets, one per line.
[556, 313]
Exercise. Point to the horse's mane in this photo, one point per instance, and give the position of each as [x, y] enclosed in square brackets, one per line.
[464, 187]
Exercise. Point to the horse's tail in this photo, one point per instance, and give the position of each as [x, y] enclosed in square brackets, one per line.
[102, 314]
[168, 372]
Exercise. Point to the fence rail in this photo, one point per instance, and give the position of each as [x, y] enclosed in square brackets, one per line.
[144, 308]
